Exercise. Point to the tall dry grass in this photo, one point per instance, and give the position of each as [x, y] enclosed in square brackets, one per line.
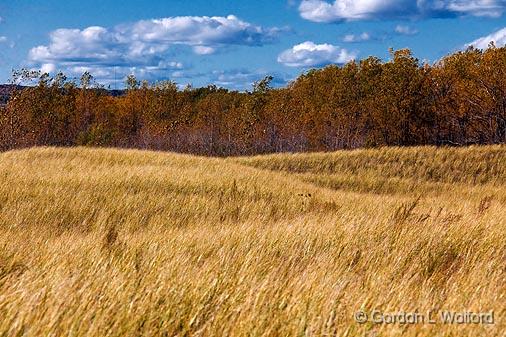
[99, 242]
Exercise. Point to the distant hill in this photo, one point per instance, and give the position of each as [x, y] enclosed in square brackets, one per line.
[5, 92]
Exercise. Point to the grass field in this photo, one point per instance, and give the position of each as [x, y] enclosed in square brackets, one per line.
[102, 242]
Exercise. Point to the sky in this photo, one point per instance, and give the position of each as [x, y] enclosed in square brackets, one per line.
[232, 43]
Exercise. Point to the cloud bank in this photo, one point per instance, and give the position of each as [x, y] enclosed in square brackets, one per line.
[309, 54]
[347, 10]
[498, 38]
[144, 47]
[242, 79]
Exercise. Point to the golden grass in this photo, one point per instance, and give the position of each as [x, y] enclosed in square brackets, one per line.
[100, 242]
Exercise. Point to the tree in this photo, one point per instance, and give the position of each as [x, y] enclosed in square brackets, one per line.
[459, 100]
[131, 82]
[263, 86]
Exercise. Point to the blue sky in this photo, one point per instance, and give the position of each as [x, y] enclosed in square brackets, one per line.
[232, 43]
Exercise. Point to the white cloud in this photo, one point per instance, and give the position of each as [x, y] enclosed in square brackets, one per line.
[237, 78]
[490, 8]
[499, 39]
[243, 79]
[202, 31]
[405, 30]
[343, 10]
[357, 38]
[3, 39]
[203, 50]
[94, 45]
[48, 68]
[309, 54]
[144, 47]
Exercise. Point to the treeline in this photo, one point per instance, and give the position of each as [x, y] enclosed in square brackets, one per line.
[459, 100]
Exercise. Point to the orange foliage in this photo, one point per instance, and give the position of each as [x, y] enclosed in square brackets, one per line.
[459, 100]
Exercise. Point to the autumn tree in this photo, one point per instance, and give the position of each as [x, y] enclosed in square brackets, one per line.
[459, 100]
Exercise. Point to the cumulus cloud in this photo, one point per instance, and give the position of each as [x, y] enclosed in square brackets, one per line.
[344, 10]
[202, 31]
[405, 30]
[498, 38]
[3, 39]
[144, 47]
[357, 38]
[309, 54]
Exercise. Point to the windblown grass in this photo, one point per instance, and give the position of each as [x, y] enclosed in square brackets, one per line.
[100, 242]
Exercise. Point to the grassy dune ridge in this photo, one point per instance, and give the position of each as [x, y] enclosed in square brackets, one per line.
[103, 242]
